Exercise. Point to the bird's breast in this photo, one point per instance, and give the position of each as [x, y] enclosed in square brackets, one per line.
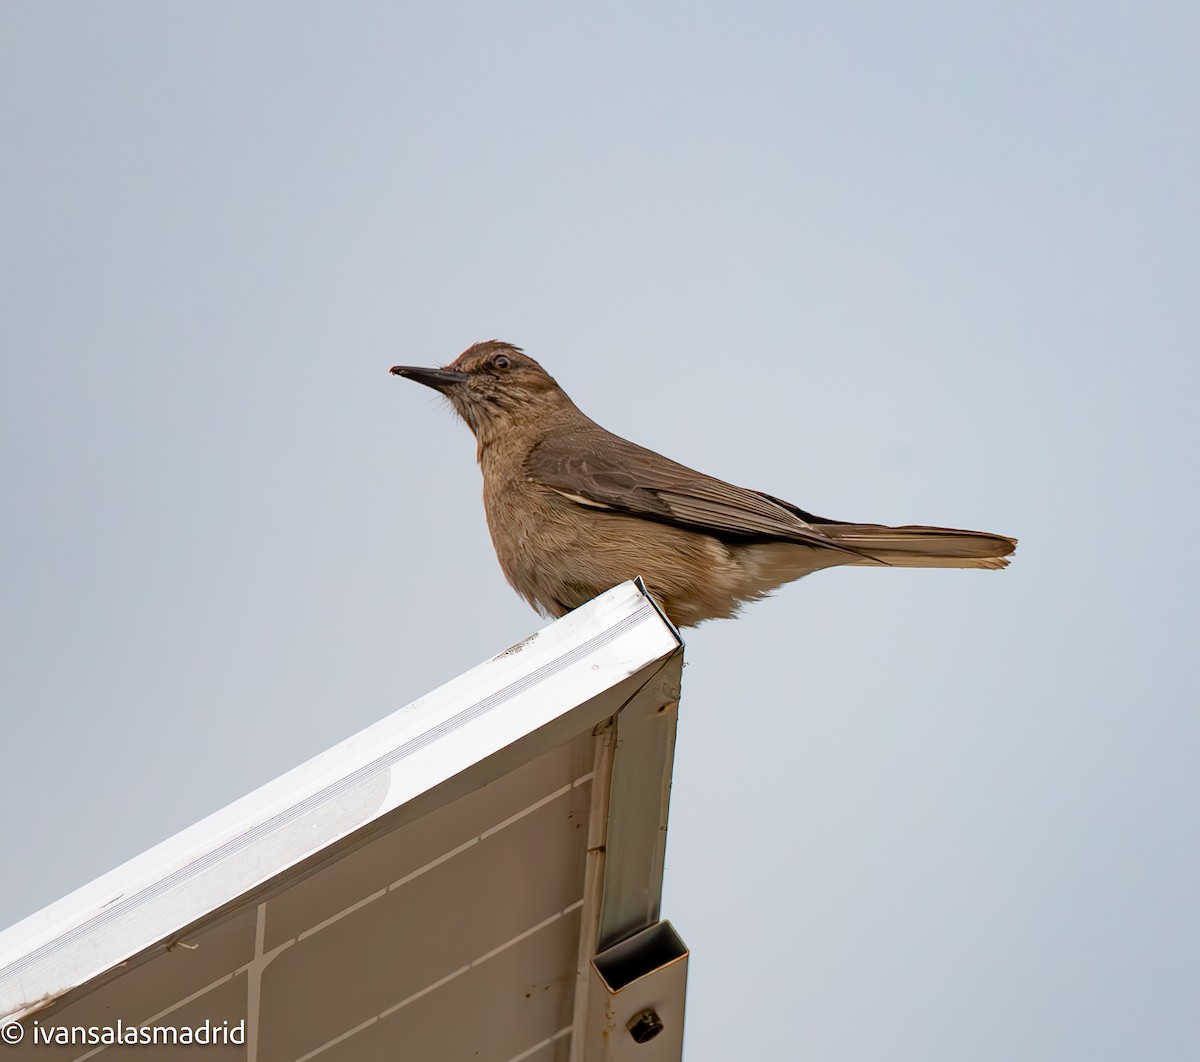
[535, 538]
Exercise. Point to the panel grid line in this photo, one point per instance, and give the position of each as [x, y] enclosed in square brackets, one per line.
[442, 982]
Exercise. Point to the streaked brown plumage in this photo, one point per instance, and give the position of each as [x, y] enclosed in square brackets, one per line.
[574, 510]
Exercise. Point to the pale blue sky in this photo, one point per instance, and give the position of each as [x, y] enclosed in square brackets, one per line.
[922, 262]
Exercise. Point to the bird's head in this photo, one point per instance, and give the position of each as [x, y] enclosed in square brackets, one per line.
[492, 385]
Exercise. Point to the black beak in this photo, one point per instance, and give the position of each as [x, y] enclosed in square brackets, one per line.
[438, 379]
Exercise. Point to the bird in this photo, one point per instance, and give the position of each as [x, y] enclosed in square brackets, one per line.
[573, 509]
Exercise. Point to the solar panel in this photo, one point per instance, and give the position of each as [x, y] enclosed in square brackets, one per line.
[434, 887]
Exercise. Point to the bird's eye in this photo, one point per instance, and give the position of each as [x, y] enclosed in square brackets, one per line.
[501, 362]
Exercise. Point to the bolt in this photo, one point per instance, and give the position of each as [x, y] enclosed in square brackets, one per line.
[645, 1027]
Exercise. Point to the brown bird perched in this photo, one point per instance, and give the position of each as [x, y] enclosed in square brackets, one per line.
[574, 510]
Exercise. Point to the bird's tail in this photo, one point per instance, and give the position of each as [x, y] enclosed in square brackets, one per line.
[922, 547]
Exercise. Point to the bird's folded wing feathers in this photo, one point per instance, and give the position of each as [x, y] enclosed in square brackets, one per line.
[603, 471]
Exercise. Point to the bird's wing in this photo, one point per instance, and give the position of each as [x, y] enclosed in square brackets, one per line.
[599, 470]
